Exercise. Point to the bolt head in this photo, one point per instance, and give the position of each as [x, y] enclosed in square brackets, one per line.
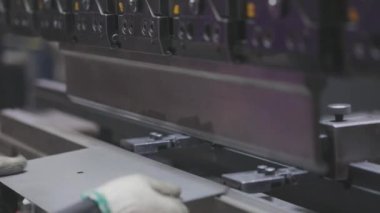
[194, 6]
[270, 171]
[340, 109]
[86, 4]
[133, 5]
[115, 38]
[261, 169]
[155, 135]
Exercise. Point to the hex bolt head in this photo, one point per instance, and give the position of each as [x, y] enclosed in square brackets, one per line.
[339, 111]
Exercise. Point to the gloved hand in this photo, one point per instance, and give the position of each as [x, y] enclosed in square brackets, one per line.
[138, 194]
[12, 165]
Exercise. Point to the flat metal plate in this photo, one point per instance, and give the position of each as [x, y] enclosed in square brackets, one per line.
[56, 182]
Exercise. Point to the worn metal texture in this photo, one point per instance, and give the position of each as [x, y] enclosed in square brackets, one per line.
[56, 182]
[261, 111]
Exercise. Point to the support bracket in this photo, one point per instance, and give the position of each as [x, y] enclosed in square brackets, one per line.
[158, 141]
[263, 179]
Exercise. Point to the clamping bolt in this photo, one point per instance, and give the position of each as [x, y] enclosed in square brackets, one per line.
[339, 111]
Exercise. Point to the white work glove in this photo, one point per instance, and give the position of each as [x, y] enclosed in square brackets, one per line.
[138, 194]
[12, 165]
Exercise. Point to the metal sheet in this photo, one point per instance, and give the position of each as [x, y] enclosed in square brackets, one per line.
[56, 182]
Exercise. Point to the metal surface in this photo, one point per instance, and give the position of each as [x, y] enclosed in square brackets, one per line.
[225, 160]
[259, 203]
[354, 139]
[269, 113]
[263, 179]
[56, 182]
[365, 176]
[156, 142]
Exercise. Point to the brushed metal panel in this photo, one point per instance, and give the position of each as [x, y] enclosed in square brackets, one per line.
[262, 111]
[56, 182]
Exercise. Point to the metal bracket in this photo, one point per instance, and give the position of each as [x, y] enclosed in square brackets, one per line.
[365, 176]
[263, 179]
[353, 138]
[157, 141]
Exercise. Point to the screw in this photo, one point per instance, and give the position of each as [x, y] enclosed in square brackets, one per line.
[216, 37]
[273, 2]
[131, 30]
[84, 27]
[100, 27]
[207, 33]
[144, 30]
[194, 6]
[190, 31]
[339, 111]
[115, 38]
[94, 27]
[181, 32]
[55, 23]
[277, 8]
[133, 5]
[124, 28]
[151, 30]
[86, 4]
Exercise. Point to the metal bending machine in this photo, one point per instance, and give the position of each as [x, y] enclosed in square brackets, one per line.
[248, 105]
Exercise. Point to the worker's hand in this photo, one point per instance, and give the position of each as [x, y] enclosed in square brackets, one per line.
[12, 165]
[138, 194]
